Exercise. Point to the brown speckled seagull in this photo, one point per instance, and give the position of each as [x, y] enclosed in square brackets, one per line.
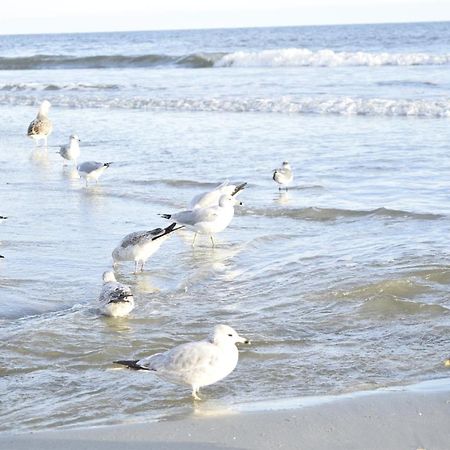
[41, 127]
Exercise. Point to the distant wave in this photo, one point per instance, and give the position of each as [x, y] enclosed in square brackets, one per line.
[327, 214]
[345, 106]
[285, 57]
[15, 87]
[36, 62]
[295, 57]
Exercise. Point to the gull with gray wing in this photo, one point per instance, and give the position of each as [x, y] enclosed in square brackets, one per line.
[195, 364]
[116, 299]
[140, 245]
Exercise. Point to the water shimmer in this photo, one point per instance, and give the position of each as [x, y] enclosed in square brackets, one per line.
[342, 283]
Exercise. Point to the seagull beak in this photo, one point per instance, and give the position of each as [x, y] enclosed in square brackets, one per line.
[243, 340]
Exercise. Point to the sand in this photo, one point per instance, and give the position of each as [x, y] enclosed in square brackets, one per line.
[410, 419]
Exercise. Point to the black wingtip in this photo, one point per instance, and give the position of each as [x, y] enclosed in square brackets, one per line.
[3, 217]
[130, 363]
[165, 216]
[107, 164]
[239, 188]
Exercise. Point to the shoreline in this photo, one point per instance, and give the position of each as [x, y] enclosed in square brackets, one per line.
[405, 417]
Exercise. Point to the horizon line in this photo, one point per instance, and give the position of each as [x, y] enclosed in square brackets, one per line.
[226, 28]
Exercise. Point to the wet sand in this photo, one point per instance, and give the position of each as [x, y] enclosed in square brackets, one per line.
[416, 418]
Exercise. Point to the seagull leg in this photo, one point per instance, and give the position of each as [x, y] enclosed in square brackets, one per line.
[142, 266]
[212, 240]
[135, 267]
[193, 242]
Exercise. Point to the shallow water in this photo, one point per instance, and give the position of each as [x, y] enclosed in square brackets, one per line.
[342, 283]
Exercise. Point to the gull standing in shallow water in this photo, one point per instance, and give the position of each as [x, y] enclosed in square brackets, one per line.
[195, 364]
[71, 152]
[211, 198]
[91, 170]
[283, 175]
[116, 299]
[140, 245]
[41, 127]
[209, 220]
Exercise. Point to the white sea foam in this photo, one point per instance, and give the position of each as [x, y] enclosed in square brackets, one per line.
[347, 106]
[295, 57]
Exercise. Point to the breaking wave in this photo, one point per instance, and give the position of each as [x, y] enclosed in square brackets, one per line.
[37, 62]
[345, 106]
[285, 57]
[295, 57]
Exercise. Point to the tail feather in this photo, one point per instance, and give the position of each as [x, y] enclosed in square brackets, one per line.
[239, 188]
[107, 164]
[131, 364]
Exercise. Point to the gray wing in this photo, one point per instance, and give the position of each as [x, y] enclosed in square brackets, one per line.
[63, 151]
[195, 216]
[183, 358]
[90, 166]
[140, 237]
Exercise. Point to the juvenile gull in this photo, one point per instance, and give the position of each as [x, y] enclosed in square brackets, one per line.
[71, 151]
[195, 364]
[116, 299]
[140, 245]
[91, 170]
[209, 220]
[41, 127]
[283, 175]
[211, 198]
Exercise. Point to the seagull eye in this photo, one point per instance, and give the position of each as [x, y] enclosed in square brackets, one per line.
[230, 335]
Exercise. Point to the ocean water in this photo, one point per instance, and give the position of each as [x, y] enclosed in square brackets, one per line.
[342, 283]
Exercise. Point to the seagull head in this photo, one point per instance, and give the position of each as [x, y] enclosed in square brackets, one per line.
[45, 107]
[225, 335]
[74, 137]
[228, 200]
[108, 276]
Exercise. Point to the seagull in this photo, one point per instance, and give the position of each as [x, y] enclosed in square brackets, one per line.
[91, 170]
[211, 198]
[195, 364]
[209, 220]
[71, 152]
[283, 175]
[116, 299]
[41, 127]
[140, 245]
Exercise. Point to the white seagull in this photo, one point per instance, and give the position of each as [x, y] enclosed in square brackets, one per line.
[41, 127]
[195, 364]
[209, 220]
[283, 175]
[140, 245]
[211, 198]
[116, 299]
[71, 151]
[91, 170]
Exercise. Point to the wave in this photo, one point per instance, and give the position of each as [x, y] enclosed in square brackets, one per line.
[303, 57]
[39, 62]
[284, 57]
[345, 106]
[327, 214]
[18, 87]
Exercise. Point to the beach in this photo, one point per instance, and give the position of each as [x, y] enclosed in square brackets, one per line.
[410, 418]
[341, 282]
